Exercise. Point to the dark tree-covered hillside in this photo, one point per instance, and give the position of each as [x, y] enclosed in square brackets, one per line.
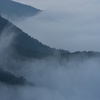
[24, 45]
[27, 47]
[8, 78]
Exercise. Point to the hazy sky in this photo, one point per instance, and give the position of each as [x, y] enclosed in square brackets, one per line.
[62, 4]
[67, 24]
[45, 4]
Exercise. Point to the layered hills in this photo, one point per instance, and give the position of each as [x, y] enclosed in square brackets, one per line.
[26, 47]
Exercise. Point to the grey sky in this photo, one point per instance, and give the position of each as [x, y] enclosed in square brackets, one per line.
[62, 4]
[67, 24]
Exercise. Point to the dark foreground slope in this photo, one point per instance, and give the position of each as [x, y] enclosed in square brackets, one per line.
[14, 10]
[23, 44]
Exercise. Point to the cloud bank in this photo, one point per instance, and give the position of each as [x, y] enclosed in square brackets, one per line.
[68, 24]
[73, 31]
[53, 80]
[76, 28]
[56, 81]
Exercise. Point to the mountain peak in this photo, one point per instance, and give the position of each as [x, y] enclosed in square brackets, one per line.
[12, 9]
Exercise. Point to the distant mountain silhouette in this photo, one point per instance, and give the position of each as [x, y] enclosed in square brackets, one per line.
[15, 10]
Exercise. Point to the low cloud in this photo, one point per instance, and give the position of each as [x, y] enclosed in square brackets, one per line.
[71, 25]
[52, 79]
[56, 81]
[73, 31]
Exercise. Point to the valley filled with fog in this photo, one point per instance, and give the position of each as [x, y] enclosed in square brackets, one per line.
[69, 25]
[52, 79]
[49, 53]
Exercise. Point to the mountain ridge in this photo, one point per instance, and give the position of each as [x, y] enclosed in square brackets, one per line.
[27, 46]
[14, 10]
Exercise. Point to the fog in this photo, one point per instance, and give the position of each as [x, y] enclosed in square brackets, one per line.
[6, 50]
[73, 31]
[70, 25]
[53, 80]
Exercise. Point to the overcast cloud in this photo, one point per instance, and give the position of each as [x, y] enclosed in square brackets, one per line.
[68, 24]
